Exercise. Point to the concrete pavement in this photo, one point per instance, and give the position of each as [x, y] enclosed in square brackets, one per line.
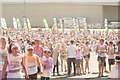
[93, 72]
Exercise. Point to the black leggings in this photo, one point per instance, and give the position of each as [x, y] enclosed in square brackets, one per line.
[45, 78]
[56, 66]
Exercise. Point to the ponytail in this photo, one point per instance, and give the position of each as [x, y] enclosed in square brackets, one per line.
[9, 48]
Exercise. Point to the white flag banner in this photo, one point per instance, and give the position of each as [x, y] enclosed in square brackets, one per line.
[3, 23]
[46, 24]
[25, 23]
[55, 26]
[18, 23]
[15, 22]
[85, 23]
[106, 24]
[29, 24]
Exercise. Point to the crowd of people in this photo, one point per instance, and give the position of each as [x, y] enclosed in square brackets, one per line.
[29, 53]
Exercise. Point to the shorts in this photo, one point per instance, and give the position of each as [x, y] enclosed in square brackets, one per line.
[111, 61]
[33, 76]
[102, 59]
[81, 60]
[78, 62]
[87, 56]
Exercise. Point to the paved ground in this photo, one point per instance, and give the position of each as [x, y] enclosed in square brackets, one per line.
[92, 76]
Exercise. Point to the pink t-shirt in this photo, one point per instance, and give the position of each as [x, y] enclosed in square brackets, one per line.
[38, 51]
[79, 54]
[47, 62]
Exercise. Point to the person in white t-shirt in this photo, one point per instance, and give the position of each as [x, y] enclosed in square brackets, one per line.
[101, 51]
[115, 71]
[71, 54]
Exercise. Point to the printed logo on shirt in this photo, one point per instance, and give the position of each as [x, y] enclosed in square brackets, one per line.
[2, 57]
[14, 64]
[46, 64]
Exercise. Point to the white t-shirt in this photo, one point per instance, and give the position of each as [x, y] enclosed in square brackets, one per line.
[71, 51]
[115, 73]
[101, 49]
[79, 54]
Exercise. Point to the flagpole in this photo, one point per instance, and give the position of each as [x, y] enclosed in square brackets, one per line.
[78, 25]
[63, 28]
[24, 13]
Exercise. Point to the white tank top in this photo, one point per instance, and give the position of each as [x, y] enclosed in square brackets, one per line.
[3, 54]
[87, 50]
[14, 62]
[32, 64]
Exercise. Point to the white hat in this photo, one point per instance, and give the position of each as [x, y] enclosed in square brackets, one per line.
[30, 47]
[14, 46]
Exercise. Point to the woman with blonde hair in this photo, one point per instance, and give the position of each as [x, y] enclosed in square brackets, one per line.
[3, 53]
[55, 56]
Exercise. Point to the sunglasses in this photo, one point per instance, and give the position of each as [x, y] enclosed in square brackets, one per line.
[30, 49]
